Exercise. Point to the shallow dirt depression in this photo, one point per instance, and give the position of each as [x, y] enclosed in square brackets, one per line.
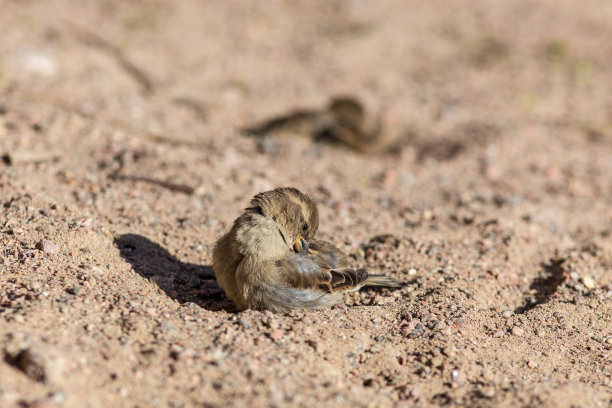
[470, 158]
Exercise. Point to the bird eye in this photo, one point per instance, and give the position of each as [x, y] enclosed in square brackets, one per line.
[304, 227]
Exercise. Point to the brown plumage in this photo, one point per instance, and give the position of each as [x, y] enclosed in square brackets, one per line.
[271, 260]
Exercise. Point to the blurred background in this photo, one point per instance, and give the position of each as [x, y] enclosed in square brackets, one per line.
[198, 70]
[207, 98]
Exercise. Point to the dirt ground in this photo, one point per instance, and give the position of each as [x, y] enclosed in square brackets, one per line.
[488, 194]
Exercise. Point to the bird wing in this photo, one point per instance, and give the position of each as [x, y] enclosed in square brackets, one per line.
[326, 254]
[305, 272]
[325, 268]
[302, 271]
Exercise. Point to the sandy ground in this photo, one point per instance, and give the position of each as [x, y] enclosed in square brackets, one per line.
[491, 202]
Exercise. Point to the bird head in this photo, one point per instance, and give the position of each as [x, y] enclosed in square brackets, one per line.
[294, 213]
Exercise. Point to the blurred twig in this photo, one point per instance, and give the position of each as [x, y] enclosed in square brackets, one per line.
[132, 70]
[28, 156]
[181, 188]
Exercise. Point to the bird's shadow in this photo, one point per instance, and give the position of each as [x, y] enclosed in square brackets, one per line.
[184, 282]
[546, 285]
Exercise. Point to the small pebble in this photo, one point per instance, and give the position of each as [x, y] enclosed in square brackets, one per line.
[517, 331]
[42, 403]
[271, 322]
[379, 300]
[169, 328]
[245, 323]
[48, 247]
[267, 145]
[277, 334]
[59, 397]
[40, 362]
[589, 282]
[316, 345]
[488, 392]
[406, 330]
[458, 376]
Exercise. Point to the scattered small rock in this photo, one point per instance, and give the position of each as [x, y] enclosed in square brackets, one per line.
[316, 345]
[42, 403]
[35, 61]
[48, 247]
[40, 362]
[74, 290]
[267, 145]
[270, 321]
[517, 331]
[175, 351]
[59, 397]
[379, 300]
[277, 334]
[245, 323]
[458, 377]
[589, 282]
[427, 215]
[368, 379]
[169, 328]
[488, 392]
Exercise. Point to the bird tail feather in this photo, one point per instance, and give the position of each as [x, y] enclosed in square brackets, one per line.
[381, 280]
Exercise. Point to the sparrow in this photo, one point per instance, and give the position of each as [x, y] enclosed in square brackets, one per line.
[270, 260]
[343, 120]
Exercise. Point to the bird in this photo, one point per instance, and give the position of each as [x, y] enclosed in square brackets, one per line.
[344, 120]
[271, 260]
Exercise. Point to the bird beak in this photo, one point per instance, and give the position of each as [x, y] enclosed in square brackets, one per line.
[300, 245]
